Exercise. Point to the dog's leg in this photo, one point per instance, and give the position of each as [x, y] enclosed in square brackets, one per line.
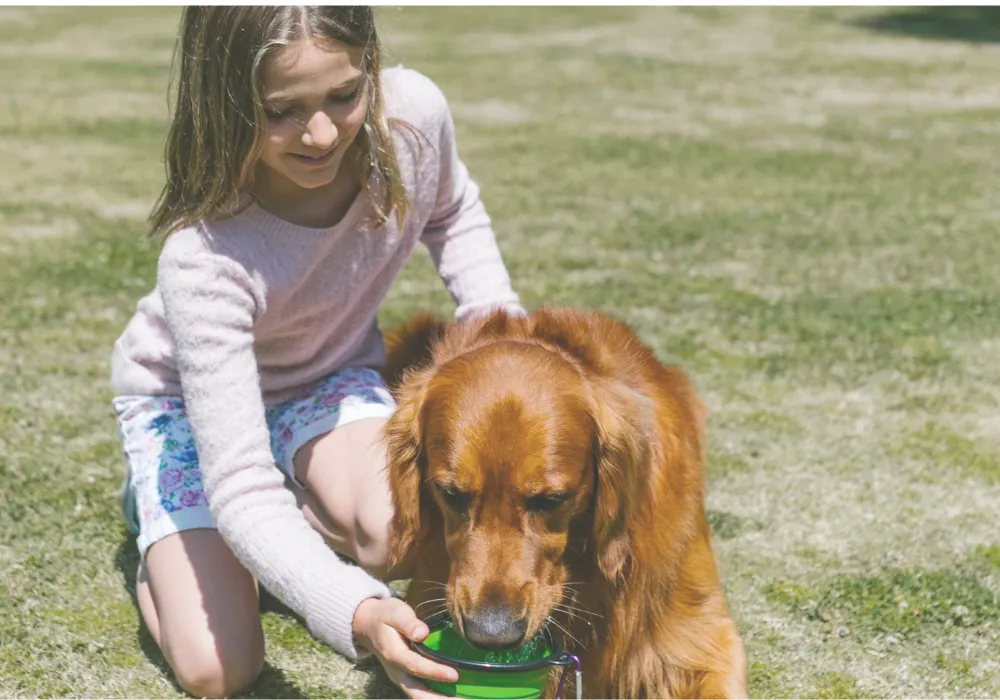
[731, 682]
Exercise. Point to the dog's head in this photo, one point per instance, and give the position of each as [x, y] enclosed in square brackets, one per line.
[520, 458]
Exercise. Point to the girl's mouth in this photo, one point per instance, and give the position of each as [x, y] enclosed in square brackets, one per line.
[322, 159]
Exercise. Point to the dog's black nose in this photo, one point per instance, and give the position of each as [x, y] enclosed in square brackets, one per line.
[495, 627]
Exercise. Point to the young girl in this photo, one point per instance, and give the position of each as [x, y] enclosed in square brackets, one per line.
[299, 178]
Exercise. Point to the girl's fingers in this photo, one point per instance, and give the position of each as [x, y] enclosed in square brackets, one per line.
[425, 668]
[407, 623]
[396, 651]
[417, 665]
[414, 688]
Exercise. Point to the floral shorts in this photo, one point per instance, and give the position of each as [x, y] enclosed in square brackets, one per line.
[163, 492]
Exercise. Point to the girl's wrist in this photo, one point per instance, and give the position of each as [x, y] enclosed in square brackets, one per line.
[364, 616]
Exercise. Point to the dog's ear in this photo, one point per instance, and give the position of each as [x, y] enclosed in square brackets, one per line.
[623, 421]
[405, 467]
[409, 347]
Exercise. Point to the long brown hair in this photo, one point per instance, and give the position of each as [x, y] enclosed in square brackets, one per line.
[218, 128]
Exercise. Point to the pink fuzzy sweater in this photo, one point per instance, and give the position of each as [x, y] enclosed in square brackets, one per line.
[253, 309]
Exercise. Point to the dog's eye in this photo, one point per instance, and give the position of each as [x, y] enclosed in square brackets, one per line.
[543, 503]
[455, 499]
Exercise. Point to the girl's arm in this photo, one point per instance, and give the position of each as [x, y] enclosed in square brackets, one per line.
[459, 234]
[210, 303]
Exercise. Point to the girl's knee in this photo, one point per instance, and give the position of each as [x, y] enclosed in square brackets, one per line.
[208, 677]
[212, 668]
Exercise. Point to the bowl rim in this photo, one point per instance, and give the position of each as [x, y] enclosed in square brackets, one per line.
[552, 637]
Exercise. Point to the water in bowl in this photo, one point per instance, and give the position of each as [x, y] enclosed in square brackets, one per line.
[447, 641]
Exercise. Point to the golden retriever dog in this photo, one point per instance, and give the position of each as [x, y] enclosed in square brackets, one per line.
[548, 470]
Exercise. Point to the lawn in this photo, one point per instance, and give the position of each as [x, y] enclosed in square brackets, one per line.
[798, 206]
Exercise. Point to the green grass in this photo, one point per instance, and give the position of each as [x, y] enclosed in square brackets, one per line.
[796, 205]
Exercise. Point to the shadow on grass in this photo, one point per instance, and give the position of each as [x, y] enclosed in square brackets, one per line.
[378, 686]
[271, 683]
[979, 25]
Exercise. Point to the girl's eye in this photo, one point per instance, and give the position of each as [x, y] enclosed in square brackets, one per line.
[346, 98]
[279, 115]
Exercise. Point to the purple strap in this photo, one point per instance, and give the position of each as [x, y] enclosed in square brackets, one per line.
[562, 678]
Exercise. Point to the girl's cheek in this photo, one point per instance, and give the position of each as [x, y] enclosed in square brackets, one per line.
[359, 112]
[278, 133]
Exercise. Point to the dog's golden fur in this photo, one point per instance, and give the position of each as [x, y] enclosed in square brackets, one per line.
[551, 467]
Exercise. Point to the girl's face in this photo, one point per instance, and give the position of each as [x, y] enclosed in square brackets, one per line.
[315, 101]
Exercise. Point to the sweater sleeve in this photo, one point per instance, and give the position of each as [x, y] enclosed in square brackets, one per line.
[459, 235]
[209, 306]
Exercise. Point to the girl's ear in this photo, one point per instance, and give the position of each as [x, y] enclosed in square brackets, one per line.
[403, 439]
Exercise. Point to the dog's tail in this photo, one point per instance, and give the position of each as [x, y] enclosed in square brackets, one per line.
[409, 346]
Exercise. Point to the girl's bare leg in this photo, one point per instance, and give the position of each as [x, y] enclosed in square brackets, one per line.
[347, 498]
[201, 607]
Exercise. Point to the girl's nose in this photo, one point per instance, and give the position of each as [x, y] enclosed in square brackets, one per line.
[320, 132]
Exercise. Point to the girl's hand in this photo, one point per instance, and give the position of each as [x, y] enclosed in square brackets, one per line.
[383, 626]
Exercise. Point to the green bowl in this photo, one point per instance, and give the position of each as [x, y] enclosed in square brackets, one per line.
[479, 674]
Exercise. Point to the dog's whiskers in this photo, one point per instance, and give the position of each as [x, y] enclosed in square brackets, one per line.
[573, 617]
[429, 601]
[439, 609]
[568, 602]
[575, 610]
[565, 631]
[569, 583]
[566, 588]
[431, 613]
[431, 584]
